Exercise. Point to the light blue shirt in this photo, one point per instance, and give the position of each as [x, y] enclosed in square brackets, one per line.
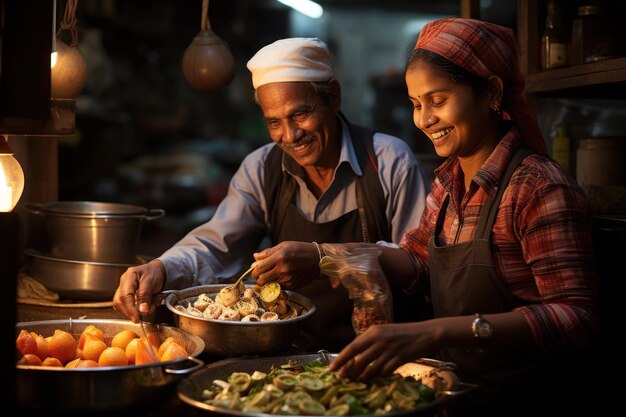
[216, 251]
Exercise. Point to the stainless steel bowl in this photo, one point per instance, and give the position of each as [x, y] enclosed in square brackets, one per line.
[103, 388]
[235, 338]
[80, 280]
[93, 231]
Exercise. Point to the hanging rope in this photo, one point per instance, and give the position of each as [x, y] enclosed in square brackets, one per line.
[69, 21]
[205, 24]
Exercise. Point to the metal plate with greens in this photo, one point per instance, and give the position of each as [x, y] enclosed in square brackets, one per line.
[301, 385]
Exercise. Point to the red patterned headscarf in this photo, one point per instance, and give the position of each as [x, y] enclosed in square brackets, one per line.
[485, 49]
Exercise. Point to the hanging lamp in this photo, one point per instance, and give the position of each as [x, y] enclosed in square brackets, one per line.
[11, 177]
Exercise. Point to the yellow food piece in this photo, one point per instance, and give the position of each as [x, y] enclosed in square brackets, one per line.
[270, 292]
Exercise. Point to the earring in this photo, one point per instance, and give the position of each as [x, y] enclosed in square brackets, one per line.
[495, 107]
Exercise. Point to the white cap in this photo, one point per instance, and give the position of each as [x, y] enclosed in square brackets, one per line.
[292, 59]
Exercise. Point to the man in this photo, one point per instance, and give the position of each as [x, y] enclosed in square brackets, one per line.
[321, 179]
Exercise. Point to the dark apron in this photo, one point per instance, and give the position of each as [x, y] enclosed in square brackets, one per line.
[464, 282]
[331, 326]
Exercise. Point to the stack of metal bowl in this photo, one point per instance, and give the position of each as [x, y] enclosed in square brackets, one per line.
[91, 245]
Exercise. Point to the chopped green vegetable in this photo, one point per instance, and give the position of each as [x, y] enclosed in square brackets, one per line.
[312, 389]
[426, 392]
[240, 381]
[285, 382]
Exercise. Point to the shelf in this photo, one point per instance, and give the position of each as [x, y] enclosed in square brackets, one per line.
[62, 121]
[597, 73]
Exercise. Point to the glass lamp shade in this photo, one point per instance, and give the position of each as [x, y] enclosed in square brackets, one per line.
[11, 178]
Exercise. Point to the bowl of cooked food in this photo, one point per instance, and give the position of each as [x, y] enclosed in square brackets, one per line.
[90, 365]
[237, 320]
[303, 385]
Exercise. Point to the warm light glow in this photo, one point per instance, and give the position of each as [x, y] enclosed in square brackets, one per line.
[6, 193]
[306, 7]
[11, 178]
[53, 55]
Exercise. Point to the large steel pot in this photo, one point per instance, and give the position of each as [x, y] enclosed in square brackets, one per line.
[80, 280]
[235, 338]
[104, 388]
[93, 231]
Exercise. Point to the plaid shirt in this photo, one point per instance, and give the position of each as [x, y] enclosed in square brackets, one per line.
[541, 240]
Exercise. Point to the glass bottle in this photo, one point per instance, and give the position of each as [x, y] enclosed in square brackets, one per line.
[554, 42]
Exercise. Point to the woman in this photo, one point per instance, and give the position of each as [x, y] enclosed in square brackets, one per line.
[503, 248]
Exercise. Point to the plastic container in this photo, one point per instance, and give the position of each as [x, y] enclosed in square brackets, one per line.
[600, 161]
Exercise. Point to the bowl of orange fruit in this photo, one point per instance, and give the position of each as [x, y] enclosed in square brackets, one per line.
[100, 364]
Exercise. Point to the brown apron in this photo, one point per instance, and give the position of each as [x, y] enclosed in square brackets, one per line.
[464, 282]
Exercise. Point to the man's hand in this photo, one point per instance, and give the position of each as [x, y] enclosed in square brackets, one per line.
[138, 285]
[291, 264]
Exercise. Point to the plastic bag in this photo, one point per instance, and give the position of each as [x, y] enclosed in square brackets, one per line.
[358, 270]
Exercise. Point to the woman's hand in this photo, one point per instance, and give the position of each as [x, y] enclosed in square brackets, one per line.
[137, 287]
[382, 348]
[292, 264]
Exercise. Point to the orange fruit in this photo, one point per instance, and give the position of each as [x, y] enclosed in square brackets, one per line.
[92, 330]
[42, 346]
[154, 339]
[122, 338]
[26, 343]
[30, 359]
[87, 363]
[131, 351]
[93, 347]
[174, 351]
[165, 344]
[113, 356]
[73, 363]
[146, 353]
[62, 346]
[50, 361]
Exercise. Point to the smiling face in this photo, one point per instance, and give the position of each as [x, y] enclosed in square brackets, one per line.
[455, 118]
[301, 123]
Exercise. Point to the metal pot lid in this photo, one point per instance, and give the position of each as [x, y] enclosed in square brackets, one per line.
[91, 208]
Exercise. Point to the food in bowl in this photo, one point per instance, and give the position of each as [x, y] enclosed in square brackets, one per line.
[227, 338]
[242, 304]
[92, 349]
[102, 388]
[310, 388]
